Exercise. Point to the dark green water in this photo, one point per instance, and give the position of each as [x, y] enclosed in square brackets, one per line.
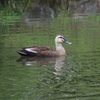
[73, 77]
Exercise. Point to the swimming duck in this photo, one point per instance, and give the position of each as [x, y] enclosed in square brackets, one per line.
[45, 51]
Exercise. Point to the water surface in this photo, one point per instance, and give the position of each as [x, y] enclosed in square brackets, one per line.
[72, 77]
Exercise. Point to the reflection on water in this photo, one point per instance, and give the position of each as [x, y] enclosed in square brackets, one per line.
[81, 8]
[40, 61]
[38, 15]
[59, 64]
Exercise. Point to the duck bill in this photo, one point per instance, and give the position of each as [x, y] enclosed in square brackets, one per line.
[65, 41]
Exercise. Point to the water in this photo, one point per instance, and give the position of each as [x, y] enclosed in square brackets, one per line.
[71, 77]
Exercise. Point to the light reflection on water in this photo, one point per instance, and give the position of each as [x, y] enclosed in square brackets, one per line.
[72, 76]
[65, 77]
[57, 62]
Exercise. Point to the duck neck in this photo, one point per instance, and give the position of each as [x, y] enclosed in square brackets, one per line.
[59, 46]
[60, 49]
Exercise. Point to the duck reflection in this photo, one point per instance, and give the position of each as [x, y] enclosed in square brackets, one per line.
[58, 62]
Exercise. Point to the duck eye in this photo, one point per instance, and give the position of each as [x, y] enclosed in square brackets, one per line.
[61, 37]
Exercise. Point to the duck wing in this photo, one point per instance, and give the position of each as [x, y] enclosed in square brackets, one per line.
[36, 51]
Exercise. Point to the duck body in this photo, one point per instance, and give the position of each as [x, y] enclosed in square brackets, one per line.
[45, 51]
[37, 51]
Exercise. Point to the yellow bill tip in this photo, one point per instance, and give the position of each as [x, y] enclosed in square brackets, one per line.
[70, 43]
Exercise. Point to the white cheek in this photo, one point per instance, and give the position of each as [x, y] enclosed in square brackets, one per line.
[60, 40]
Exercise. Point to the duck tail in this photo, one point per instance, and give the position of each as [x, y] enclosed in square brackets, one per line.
[22, 52]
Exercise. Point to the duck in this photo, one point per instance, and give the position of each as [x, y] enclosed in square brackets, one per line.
[45, 51]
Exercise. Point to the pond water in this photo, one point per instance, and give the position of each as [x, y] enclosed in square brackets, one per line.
[75, 76]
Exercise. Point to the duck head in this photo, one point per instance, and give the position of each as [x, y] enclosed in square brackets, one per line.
[60, 39]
